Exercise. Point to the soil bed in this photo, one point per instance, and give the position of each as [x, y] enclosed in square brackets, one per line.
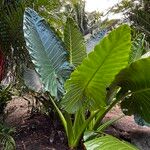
[40, 132]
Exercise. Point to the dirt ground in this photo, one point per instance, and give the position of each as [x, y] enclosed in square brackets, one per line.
[39, 132]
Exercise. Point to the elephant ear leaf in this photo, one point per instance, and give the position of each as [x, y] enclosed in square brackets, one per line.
[89, 81]
[47, 52]
[136, 80]
[74, 42]
[108, 142]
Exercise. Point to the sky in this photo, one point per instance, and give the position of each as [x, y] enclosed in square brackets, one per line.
[102, 6]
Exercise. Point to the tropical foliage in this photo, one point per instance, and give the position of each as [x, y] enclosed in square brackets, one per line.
[49, 49]
[74, 42]
[6, 139]
[108, 142]
[138, 88]
[12, 43]
[5, 97]
[92, 85]
[102, 68]
[81, 87]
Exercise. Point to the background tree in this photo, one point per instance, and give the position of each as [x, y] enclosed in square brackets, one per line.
[13, 50]
[54, 11]
[138, 14]
[11, 37]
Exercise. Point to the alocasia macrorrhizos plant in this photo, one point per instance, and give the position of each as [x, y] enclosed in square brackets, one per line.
[86, 88]
[89, 81]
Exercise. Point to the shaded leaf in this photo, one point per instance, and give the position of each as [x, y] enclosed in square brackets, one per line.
[105, 125]
[47, 52]
[136, 79]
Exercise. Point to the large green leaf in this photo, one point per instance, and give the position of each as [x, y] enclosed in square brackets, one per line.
[108, 143]
[47, 52]
[74, 42]
[136, 80]
[97, 71]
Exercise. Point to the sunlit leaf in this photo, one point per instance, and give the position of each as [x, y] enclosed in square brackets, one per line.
[97, 71]
[108, 143]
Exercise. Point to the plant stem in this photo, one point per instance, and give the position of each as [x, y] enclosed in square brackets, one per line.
[83, 127]
[64, 122]
[101, 116]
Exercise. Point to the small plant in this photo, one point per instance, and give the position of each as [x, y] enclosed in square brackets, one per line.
[5, 97]
[6, 140]
[100, 80]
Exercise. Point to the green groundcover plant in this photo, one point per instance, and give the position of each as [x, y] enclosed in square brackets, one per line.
[6, 140]
[5, 97]
[88, 86]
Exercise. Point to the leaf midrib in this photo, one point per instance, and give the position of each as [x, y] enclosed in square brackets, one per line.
[35, 26]
[98, 69]
[71, 49]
